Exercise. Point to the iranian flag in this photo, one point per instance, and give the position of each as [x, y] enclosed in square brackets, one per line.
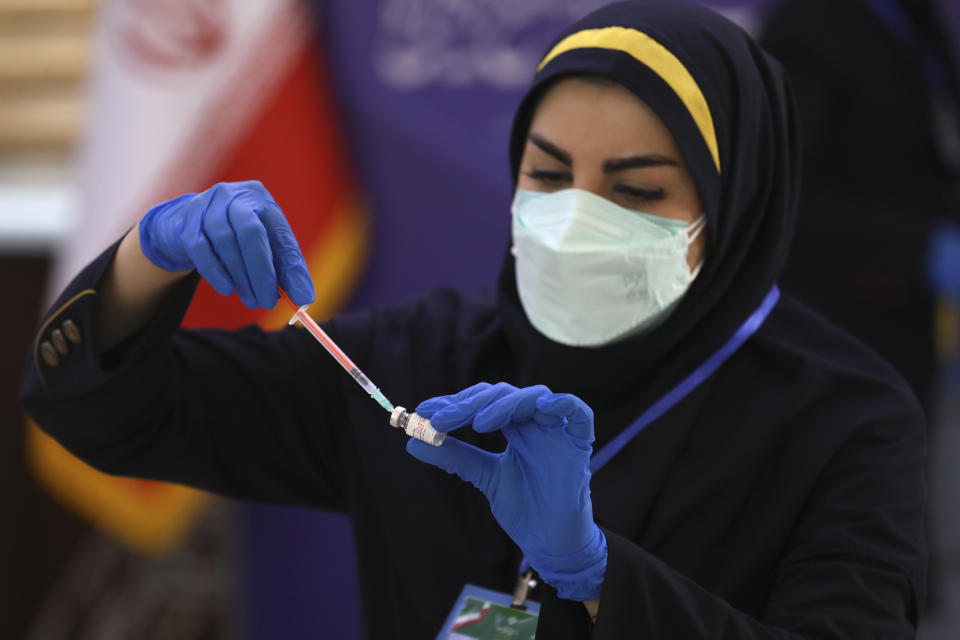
[186, 93]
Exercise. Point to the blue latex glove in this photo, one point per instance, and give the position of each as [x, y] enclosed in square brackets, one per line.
[943, 260]
[539, 487]
[235, 236]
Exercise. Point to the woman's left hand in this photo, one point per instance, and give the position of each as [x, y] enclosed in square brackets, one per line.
[539, 487]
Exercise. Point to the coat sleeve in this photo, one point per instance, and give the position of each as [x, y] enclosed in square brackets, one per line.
[853, 568]
[232, 412]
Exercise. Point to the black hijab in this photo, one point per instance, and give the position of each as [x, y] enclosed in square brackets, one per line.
[741, 148]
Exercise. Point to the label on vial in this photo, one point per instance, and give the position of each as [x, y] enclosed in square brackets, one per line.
[420, 428]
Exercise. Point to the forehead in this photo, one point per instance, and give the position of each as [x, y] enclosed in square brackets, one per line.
[596, 116]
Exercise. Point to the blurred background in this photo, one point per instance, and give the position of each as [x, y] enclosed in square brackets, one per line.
[381, 126]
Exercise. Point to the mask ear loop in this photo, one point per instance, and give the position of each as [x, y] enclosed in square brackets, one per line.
[695, 227]
[693, 230]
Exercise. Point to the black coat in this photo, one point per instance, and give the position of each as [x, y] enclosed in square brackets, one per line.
[784, 495]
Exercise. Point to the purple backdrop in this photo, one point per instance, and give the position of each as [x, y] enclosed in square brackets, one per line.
[427, 89]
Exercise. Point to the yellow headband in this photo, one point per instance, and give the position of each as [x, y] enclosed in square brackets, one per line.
[655, 56]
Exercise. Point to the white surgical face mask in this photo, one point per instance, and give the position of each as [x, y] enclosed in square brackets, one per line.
[590, 272]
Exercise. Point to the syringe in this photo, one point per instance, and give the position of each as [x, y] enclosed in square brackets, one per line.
[413, 424]
[300, 313]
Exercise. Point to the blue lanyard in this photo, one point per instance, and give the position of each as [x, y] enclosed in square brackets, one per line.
[688, 384]
[684, 387]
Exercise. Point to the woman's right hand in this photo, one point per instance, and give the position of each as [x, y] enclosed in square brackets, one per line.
[235, 236]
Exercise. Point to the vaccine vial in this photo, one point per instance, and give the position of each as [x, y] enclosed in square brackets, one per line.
[416, 426]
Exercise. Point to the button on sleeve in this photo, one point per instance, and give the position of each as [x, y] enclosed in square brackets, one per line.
[49, 354]
[72, 331]
[59, 342]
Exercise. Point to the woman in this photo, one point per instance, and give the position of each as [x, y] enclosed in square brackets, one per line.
[755, 472]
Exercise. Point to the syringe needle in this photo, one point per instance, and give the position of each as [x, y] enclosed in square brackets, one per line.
[300, 313]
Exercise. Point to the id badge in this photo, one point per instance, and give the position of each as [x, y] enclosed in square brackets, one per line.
[482, 614]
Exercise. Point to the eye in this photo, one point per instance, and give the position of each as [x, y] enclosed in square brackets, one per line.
[550, 178]
[639, 195]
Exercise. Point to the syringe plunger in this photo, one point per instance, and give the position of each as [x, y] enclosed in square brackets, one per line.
[300, 313]
[416, 426]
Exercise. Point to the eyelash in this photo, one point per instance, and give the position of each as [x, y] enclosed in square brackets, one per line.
[639, 194]
[555, 178]
[549, 178]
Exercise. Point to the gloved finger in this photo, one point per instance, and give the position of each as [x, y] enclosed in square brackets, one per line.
[474, 465]
[209, 266]
[545, 420]
[242, 215]
[578, 414]
[517, 407]
[201, 253]
[431, 405]
[288, 262]
[223, 239]
[462, 412]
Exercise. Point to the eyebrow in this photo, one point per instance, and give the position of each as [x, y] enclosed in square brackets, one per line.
[552, 149]
[638, 162]
[609, 166]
